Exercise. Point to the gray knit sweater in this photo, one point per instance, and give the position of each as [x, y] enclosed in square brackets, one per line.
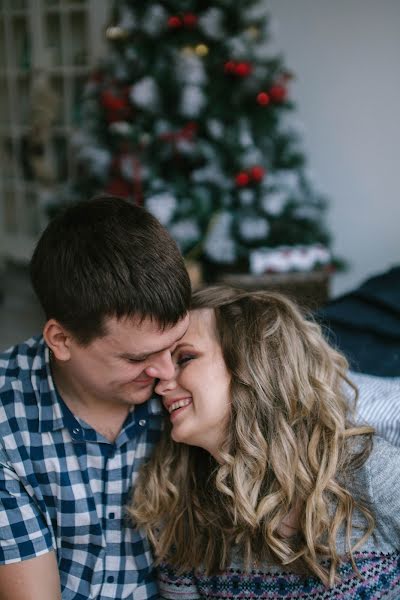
[377, 483]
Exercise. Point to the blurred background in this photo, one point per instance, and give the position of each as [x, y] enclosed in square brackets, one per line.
[263, 134]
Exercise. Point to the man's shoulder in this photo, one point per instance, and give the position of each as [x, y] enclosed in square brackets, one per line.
[21, 369]
[21, 359]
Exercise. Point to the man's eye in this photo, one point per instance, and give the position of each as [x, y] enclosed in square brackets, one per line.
[184, 359]
[135, 360]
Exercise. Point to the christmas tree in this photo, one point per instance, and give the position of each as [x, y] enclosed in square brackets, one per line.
[190, 114]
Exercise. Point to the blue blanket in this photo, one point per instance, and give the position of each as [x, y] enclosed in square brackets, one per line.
[365, 325]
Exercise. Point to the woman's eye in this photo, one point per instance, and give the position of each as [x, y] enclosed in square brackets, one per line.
[184, 359]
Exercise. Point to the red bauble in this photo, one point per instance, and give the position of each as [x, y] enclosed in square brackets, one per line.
[119, 187]
[257, 173]
[278, 93]
[230, 67]
[174, 22]
[242, 179]
[190, 20]
[243, 69]
[112, 102]
[116, 104]
[263, 99]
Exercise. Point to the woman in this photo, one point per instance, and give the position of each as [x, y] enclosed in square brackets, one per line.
[261, 487]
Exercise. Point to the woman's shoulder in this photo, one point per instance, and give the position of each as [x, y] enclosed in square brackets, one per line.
[380, 472]
[376, 484]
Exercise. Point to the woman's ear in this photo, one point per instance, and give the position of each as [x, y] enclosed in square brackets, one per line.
[58, 339]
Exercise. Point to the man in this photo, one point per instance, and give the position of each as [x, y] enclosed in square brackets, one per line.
[75, 424]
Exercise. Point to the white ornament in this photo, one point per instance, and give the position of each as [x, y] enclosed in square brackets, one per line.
[120, 128]
[253, 228]
[288, 179]
[264, 50]
[218, 244]
[307, 212]
[215, 128]
[209, 174]
[192, 101]
[97, 159]
[251, 156]
[154, 20]
[237, 48]
[162, 206]
[210, 23]
[256, 12]
[190, 69]
[144, 94]
[246, 197]
[273, 203]
[127, 20]
[185, 232]
[245, 137]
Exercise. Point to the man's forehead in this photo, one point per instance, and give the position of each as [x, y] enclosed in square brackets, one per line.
[145, 335]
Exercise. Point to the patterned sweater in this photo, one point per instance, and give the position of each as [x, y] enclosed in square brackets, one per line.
[377, 483]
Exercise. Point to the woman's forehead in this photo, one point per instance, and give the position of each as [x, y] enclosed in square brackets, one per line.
[201, 323]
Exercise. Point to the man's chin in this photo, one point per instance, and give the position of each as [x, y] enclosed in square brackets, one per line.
[142, 394]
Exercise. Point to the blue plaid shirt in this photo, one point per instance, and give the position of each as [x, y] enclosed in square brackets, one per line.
[63, 486]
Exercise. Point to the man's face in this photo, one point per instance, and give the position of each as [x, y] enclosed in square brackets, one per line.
[122, 366]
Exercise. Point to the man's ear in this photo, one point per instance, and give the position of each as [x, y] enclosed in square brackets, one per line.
[58, 339]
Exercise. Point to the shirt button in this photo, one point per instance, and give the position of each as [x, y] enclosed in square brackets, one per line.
[142, 422]
[111, 515]
[110, 579]
[76, 430]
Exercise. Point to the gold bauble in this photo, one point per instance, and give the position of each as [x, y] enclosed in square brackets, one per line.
[115, 32]
[201, 50]
[253, 32]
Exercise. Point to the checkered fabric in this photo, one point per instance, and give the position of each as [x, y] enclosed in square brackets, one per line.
[64, 487]
[379, 404]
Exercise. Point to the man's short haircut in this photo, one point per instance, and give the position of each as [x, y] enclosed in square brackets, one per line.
[108, 258]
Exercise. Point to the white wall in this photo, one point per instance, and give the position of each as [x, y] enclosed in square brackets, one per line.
[345, 55]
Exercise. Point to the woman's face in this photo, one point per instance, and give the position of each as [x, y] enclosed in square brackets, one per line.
[197, 397]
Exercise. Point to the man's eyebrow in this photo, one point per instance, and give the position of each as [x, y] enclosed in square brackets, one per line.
[145, 355]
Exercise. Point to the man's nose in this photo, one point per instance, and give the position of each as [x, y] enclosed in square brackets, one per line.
[161, 366]
[165, 385]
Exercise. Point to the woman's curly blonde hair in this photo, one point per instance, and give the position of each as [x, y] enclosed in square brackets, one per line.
[288, 447]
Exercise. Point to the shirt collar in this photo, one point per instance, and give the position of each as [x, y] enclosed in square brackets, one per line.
[51, 415]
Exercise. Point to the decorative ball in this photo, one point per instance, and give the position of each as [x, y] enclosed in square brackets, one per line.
[190, 20]
[230, 67]
[263, 99]
[278, 93]
[115, 32]
[119, 187]
[253, 32]
[243, 69]
[201, 50]
[242, 179]
[174, 22]
[257, 173]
